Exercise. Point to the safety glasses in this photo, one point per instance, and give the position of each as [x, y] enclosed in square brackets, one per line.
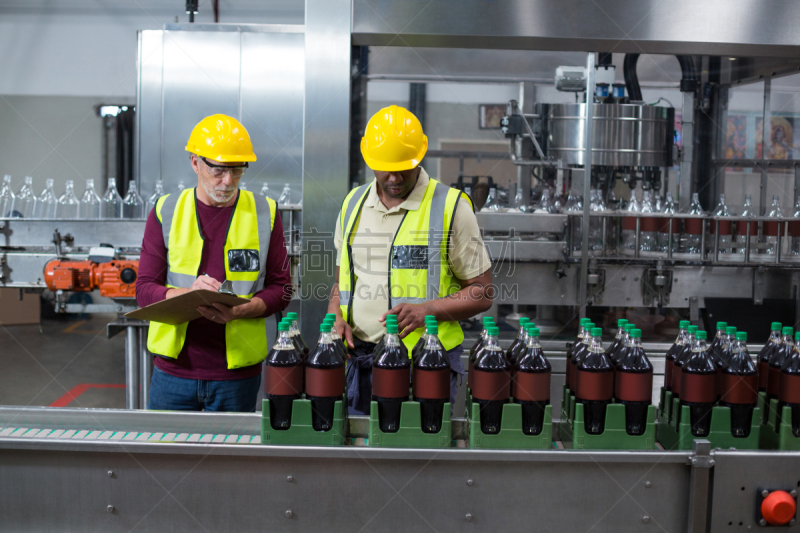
[219, 170]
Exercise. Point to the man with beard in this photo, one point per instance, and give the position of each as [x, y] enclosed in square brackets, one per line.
[196, 239]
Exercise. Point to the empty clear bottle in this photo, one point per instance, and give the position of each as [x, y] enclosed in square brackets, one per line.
[738, 385]
[648, 241]
[629, 223]
[6, 198]
[771, 229]
[112, 201]
[68, 204]
[698, 386]
[596, 236]
[794, 230]
[25, 201]
[742, 224]
[693, 228]
[286, 195]
[574, 207]
[670, 207]
[47, 203]
[725, 227]
[545, 204]
[181, 186]
[153, 198]
[133, 205]
[91, 206]
[492, 202]
[265, 191]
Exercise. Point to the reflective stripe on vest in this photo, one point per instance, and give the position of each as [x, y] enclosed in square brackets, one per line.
[247, 242]
[419, 270]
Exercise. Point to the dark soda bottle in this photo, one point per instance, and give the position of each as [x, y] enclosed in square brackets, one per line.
[530, 386]
[623, 344]
[492, 382]
[618, 340]
[430, 320]
[520, 341]
[680, 358]
[776, 361]
[633, 384]
[698, 386]
[473, 352]
[324, 379]
[577, 355]
[390, 319]
[431, 380]
[673, 351]
[337, 339]
[766, 352]
[739, 385]
[789, 394]
[726, 350]
[570, 371]
[296, 337]
[594, 383]
[391, 375]
[283, 379]
[716, 345]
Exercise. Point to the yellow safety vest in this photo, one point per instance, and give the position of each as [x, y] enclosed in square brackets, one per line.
[420, 270]
[246, 249]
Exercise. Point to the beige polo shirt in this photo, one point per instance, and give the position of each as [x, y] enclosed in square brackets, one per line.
[373, 242]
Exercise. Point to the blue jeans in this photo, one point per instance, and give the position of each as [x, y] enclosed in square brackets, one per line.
[170, 393]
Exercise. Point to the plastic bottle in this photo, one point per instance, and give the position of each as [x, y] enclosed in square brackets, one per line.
[153, 198]
[473, 352]
[545, 204]
[633, 384]
[324, 377]
[674, 350]
[390, 319]
[294, 331]
[681, 358]
[617, 343]
[624, 343]
[741, 227]
[265, 191]
[629, 223]
[692, 228]
[648, 241]
[519, 202]
[25, 202]
[596, 236]
[521, 340]
[772, 345]
[575, 205]
[738, 386]
[431, 380]
[790, 389]
[577, 353]
[112, 201]
[286, 195]
[337, 339]
[47, 203]
[391, 374]
[670, 207]
[492, 382]
[429, 319]
[698, 386]
[91, 207]
[492, 202]
[715, 348]
[725, 227]
[242, 186]
[771, 229]
[776, 361]
[283, 381]
[181, 186]
[68, 204]
[594, 384]
[6, 198]
[728, 345]
[794, 230]
[132, 204]
[530, 386]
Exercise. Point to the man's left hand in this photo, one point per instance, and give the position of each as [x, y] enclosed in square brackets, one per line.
[409, 317]
[221, 314]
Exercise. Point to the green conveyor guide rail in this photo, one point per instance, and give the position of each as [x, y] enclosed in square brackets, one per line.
[137, 436]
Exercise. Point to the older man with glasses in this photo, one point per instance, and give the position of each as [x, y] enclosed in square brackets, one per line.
[196, 239]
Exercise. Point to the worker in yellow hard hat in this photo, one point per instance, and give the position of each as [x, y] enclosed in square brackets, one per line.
[197, 239]
[421, 232]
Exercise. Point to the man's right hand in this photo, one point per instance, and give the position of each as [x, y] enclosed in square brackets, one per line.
[345, 332]
[203, 281]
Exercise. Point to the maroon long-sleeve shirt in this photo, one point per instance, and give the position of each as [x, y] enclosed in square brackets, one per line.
[203, 354]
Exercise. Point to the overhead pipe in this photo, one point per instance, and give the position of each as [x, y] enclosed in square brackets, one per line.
[631, 79]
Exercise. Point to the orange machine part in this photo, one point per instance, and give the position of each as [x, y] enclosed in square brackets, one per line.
[778, 508]
[85, 276]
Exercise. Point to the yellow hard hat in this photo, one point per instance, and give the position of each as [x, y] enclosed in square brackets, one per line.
[393, 140]
[221, 138]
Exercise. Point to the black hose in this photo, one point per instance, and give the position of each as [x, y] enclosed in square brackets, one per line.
[689, 79]
[631, 79]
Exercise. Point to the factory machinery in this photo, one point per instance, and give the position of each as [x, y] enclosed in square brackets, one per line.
[108, 470]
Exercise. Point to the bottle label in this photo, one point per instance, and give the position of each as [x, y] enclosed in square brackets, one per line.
[741, 228]
[693, 226]
[676, 227]
[794, 229]
[649, 224]
[629, 223]
[629, 387]
[324, 382]
[771, 228]
[725, 227]
[763, 370]
[284, 380]
[531, 387]
[738, 389]
[594, 386]
[790, 388]
[676, 380]
[431, 384]
[491, 386]
[699, 388]
[391, 382]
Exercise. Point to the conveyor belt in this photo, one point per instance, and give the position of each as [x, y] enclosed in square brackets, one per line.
[87, 434]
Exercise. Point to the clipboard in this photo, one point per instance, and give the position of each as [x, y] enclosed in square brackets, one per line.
[183, 308]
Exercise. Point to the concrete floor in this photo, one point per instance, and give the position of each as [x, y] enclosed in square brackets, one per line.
[40, 364]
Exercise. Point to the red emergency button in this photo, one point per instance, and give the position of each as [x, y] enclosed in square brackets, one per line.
[778, 508]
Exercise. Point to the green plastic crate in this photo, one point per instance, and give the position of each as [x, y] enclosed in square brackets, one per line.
[301, 432]
[510, 436]
[783, 439]
[719, 435]
[410, 434]
[614, 435]
[567, 415]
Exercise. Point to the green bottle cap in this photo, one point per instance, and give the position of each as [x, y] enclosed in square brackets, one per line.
[589, 326]
[722, 326]
[530, 324]
[433, 329]
[730, 330]
[585, 320]
[787, 330]
[629, 327]
[494, 331]
[776, 326]
[702, 335]
[524, 320]
[741, 335]
[684, 324]
[325, 327]
[292, 315]
[636, 334]
[430, 319]
[283, 326]
[330, 315]
[391, 328]
[430, 316]
[597, 332]
[692, 329]
[487, 320]
[621, 323]
[391, 318]
[533, 332]
[797, 336]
